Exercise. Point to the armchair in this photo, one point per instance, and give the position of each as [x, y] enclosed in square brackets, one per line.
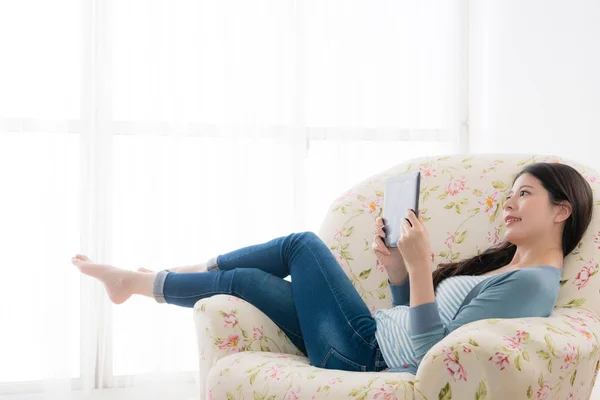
[244, 355]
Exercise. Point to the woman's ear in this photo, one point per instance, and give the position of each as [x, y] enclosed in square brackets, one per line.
[564, 211]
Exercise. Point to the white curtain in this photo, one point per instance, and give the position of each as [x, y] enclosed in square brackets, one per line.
[160, 133]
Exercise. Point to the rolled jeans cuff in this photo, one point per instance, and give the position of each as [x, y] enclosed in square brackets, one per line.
[159, 285]
[211, 265]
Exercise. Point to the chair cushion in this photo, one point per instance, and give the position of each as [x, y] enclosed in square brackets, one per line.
[283, 376]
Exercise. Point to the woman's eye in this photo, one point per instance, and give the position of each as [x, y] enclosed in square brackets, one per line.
[521, 193]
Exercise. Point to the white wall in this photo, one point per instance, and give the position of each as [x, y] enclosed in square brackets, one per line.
[535, 78]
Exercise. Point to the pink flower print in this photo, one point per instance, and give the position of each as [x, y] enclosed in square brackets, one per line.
[449, 240]
[220, 375]
[337, 236]
[591, 179]
[372, 206]
[491, 166]
[343, 198]
[542, 392]
[577, 321]
[426, 170]
[588, 315]
[597, 239]
[466, 348]
[500, 359]
[489, 201]
[232, 343]
[584, 275]
[380, 267]
[494, 237]
[274, 373]
[333, 381]
[210, 396]
[236, 299]
[258, 333]
[584, 332]
[514, 343]
[447, 350]
[570, 356]
[456, 371]
[550, 160]
[522, 335]
[292, 394]
[386, 392]
[230, 320]
[337, 253]
[455, 186]
[347, 193]
[372, 309]
[432, 256]
[235, 360]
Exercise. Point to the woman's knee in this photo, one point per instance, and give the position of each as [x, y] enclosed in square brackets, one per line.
[305, 237]
[310, 235]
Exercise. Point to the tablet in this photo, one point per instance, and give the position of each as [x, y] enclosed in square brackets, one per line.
[401, 193]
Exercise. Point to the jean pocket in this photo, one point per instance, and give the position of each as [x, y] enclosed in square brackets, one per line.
[334, 360]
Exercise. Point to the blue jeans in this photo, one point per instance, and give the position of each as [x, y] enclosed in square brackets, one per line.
[319, 310]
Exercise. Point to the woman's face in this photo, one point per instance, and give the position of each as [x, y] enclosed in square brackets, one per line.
[529, 202]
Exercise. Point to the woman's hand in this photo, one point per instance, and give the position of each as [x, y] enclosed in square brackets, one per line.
[414, 245]
[390, 257]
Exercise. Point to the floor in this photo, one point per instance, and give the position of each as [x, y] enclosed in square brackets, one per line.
[185, 391]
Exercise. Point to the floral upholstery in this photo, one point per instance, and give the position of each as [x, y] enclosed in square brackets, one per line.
[244, 355]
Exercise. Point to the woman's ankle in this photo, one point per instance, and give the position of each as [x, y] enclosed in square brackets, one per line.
[211, 265]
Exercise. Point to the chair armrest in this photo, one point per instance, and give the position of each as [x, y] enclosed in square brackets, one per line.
[514, 358]
[227, 324]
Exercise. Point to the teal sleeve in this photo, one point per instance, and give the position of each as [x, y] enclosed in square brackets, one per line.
[508, 298]
[400, 293]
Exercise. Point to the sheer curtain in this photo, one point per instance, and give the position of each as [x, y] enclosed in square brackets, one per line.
[147, 133]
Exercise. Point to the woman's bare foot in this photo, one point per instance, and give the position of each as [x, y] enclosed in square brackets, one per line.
[117, 281]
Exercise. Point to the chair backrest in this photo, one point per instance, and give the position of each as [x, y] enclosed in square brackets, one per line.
[461, 202]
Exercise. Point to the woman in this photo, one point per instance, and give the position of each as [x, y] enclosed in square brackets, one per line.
[546, 214]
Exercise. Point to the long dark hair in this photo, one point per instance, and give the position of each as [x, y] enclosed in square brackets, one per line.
[562, 182]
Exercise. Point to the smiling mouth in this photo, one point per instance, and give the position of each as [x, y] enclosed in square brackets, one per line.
[511, 221]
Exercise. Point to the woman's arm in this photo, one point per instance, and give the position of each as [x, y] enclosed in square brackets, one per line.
[416, 251]
[397, 275]
[508, 297]
[421, 287]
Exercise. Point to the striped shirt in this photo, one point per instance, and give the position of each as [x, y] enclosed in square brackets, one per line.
[405, 334]
[393, 328]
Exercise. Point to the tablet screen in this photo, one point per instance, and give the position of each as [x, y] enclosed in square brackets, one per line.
[401, 193]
